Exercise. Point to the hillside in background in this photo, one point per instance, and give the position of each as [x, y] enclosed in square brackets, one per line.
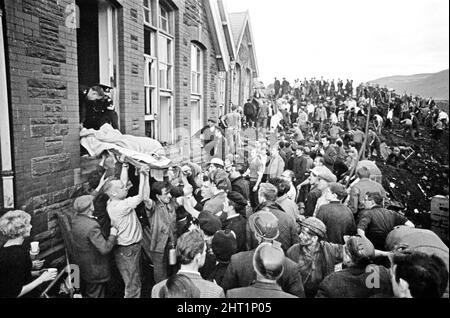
[426, 85]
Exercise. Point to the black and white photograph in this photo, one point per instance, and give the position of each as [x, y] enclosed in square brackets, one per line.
[240, 151]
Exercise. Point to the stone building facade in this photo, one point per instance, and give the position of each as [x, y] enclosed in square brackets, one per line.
[169, 63]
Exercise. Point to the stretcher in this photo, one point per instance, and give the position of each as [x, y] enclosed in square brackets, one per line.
[137, 151]
[158, 171]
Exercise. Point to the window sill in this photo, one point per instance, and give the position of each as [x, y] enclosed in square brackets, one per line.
[162, 32]
[150, 26]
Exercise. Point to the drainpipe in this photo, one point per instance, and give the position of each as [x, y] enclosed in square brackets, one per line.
[7, 172]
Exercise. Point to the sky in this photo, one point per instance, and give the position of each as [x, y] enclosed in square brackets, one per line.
[356, 39]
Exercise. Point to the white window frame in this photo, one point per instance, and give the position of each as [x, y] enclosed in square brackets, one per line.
[161, 61]
[150, 85]
[171, 122]
[153, 35]
[164, 19]
[165, 64]
[199, 125]
[197, 63]
[197, 66]
[147, 12]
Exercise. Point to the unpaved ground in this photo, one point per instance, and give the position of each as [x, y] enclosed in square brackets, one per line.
[425, 175]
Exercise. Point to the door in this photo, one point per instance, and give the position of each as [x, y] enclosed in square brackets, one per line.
[108, 49]
[97, 46]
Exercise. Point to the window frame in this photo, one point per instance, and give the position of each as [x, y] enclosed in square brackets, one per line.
[168, 19]
[199, 100]
[150, 86]
[159, 63]
[198, 72]
[149, 10]
[221, 91]
[171, 106]
[168, 62]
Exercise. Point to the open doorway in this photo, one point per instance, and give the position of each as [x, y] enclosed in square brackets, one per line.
[97, 47]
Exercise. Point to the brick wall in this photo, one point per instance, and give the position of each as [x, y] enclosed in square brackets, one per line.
[189, 19]
[45, 107]
[44, 86]
[131, 67]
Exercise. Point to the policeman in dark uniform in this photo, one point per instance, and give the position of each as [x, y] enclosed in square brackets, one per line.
[97, 108]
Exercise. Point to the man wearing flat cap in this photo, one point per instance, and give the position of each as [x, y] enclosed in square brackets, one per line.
[267, 195]
[319, 178]
[360, 278]
[240, 271]
[316, 257]
[268, 263]
[91, 248]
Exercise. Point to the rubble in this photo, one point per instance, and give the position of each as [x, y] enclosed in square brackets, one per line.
[424, 174]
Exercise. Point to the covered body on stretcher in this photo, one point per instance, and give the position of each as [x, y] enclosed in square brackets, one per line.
[136, 150]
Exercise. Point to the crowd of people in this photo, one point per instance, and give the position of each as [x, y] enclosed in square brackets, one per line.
[293, 215]
[312, 108]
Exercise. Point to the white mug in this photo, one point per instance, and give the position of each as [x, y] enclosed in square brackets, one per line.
[34, 247]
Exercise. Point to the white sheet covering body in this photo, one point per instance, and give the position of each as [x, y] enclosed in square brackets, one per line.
[143, 149]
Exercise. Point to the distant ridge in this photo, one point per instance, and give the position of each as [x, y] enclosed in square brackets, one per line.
[426, 85]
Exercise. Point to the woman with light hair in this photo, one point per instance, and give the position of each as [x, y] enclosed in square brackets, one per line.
[16, 276]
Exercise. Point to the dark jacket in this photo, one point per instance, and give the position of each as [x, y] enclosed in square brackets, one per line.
[209, 267]
[237, 224]
[259, 290]
[91, 249]
[352, 283]
[242, 186]
[277, 84]
[218, 273]
[287, 227]
[338, 219]
[94, 115]
[100, 213]
[311, 200]
[240, 273]
[298, 165]
[378, 222]
[249, 110]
